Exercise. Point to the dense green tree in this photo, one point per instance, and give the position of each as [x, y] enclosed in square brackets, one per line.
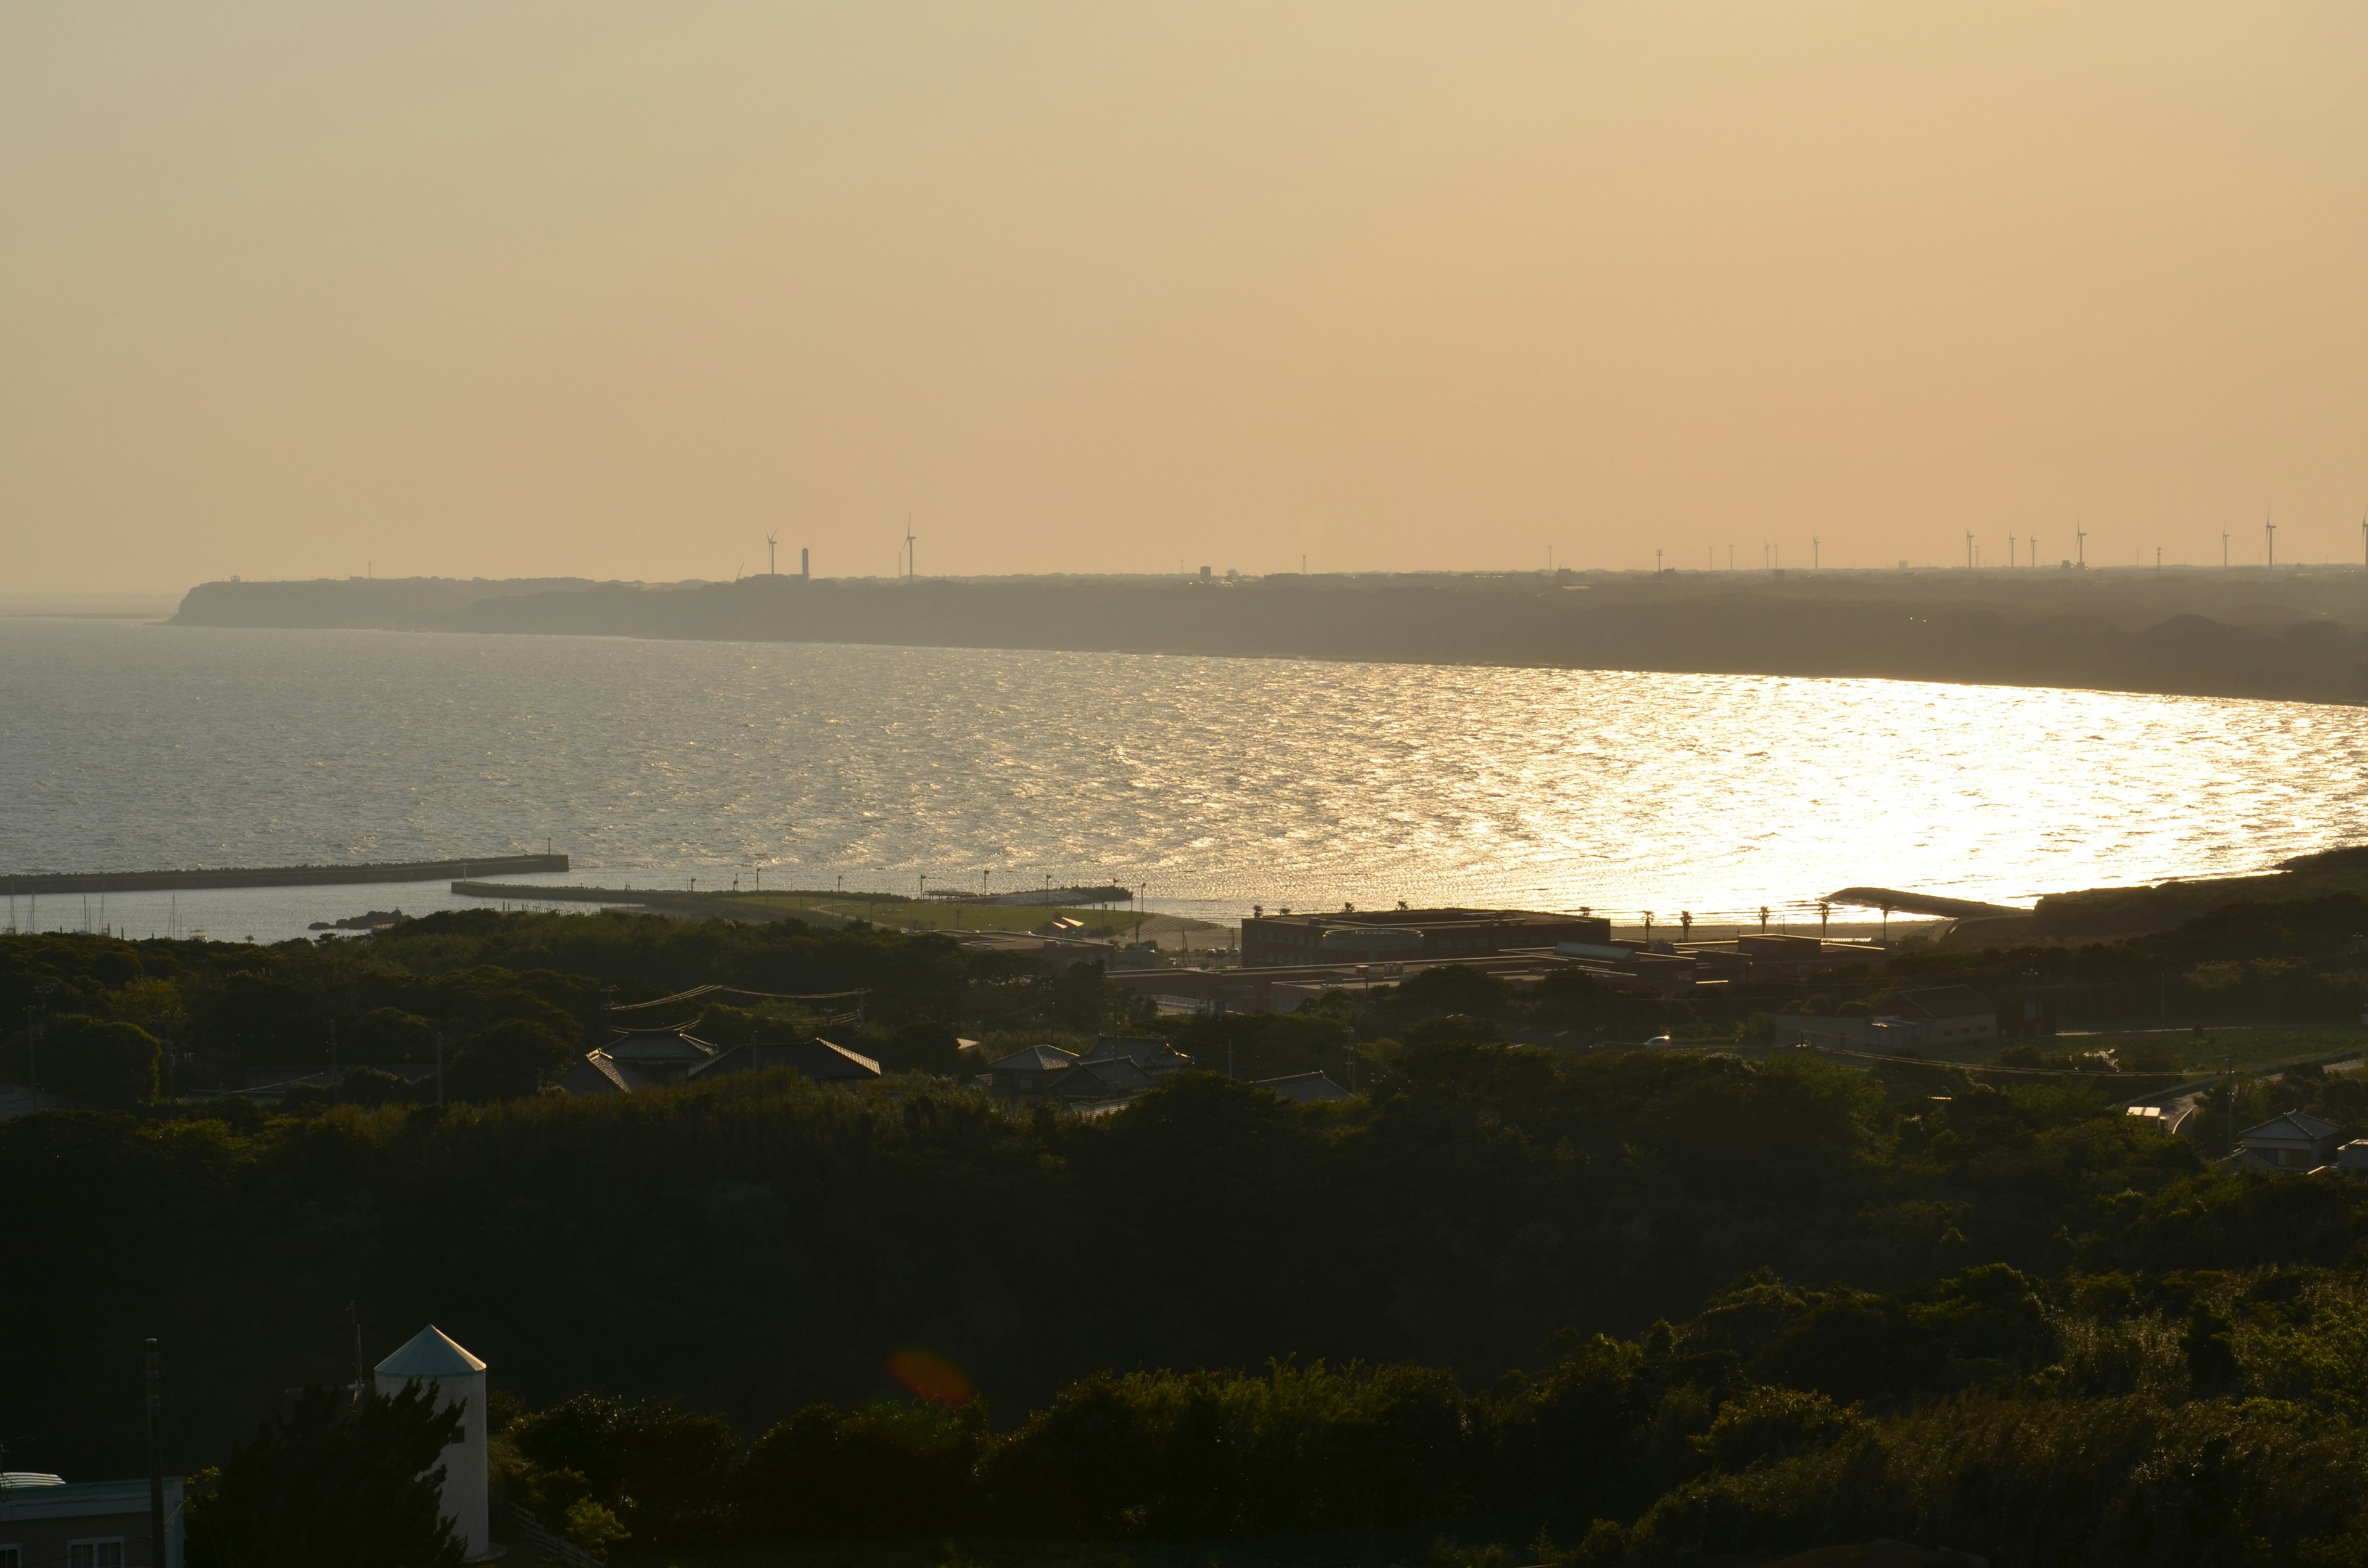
[101, 1062]
[663, 1472]
[507, 1061]
[335, 1480]
[881, 1469]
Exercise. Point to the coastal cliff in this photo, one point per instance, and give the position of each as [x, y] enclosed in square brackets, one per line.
[2300, 635]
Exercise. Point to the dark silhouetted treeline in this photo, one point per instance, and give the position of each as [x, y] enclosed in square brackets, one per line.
[2201, 1417]
[1449, 1244]
[754, 1245]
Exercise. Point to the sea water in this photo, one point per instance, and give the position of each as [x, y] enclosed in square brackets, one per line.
[1207, 784]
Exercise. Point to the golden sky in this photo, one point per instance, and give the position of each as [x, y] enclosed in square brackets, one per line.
[296, 289]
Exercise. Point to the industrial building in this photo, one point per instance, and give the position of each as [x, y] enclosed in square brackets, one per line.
[1383, 935]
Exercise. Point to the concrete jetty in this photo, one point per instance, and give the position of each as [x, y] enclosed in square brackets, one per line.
[1900, 901]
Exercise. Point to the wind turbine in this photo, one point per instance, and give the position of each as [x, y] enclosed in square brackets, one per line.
[909, 537]
[2270, 531]
[773, 568]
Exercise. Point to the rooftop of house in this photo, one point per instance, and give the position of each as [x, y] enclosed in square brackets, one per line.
[1144, 1053]
[1035, 1059]
[659, 1045]
[600, 1074]
[2294, 1127]
[1104, 1080]
[817, 1059]
[1944, 1001]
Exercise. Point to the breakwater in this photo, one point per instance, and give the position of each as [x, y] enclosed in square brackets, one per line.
[659, 901]
[281, 876]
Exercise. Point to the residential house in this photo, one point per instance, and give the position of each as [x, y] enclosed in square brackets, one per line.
[1156, 1058]
[669, 1056]
[90, 1523]
[2294, 1141]
[1100, 1085]
[817, 1059]
[648, 1059]
[1112, 1072]
[1026, 1077]
[600, 1074]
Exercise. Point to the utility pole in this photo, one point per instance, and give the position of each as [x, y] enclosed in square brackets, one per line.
[155, 1465]
[37, 1024]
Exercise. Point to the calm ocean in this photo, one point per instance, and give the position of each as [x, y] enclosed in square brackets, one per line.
[1210, 784]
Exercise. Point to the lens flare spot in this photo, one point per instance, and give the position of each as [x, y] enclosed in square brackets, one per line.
[928, 1377]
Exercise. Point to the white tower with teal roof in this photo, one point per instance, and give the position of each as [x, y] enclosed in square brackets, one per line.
[456, 1378]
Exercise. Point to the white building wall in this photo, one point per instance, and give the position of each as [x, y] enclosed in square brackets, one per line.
[468, 1496]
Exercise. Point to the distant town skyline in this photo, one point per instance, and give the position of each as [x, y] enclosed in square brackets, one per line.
[546, 292]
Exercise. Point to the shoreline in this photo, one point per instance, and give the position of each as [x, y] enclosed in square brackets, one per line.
[2299, 637]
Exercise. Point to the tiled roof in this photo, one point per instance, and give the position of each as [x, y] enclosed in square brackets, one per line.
[1035, 1059]
[1144, 1053]
[600, 1074]
[815, 1059]
[1103, 1080]
[666, 1046]
[2294, 1124]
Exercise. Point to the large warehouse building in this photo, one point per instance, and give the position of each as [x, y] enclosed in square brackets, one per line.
[1382, 935]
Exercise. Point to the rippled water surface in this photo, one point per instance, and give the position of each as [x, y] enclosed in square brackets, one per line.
[1211, 783]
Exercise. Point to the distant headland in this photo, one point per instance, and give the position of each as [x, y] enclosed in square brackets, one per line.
[2297, 635]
